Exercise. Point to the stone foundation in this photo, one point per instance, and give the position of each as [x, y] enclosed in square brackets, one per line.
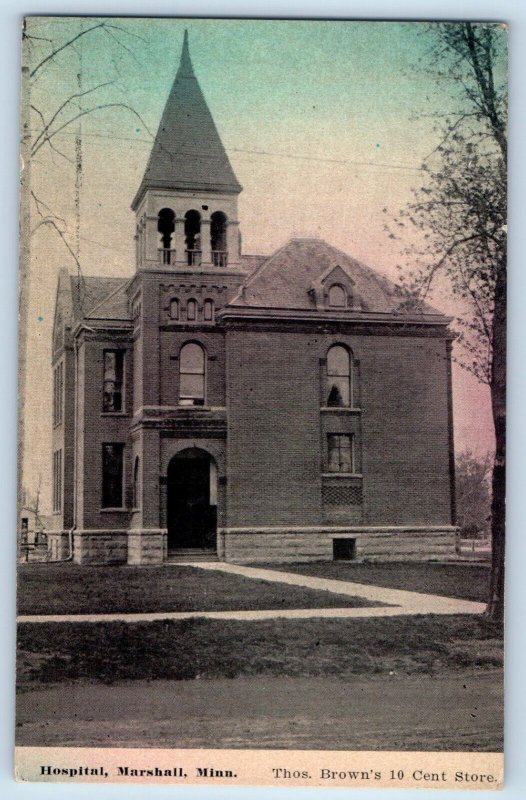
[100, 547]
[147, 546]
[405, 543]
[251, 545]
[367, 543]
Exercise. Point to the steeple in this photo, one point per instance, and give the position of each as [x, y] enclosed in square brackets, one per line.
[187, 153]
[185, 66]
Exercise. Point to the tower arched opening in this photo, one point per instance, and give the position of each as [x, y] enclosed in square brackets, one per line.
[166, 227]
[218, 238]
[192, 232]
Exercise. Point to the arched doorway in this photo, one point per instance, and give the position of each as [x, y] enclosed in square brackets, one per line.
[192, 500]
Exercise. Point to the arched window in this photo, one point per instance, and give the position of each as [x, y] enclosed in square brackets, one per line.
[166, 226]
[218, 226]
[339, 377]
[136, 488]
[191, 311]
[192, 232]
[174, 308]
[337, 296]
[192, 375]
[208, 310]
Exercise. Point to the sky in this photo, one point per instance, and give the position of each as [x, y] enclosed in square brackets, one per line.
[326, 124]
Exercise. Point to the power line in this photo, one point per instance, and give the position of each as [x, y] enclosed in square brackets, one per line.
[268, 153]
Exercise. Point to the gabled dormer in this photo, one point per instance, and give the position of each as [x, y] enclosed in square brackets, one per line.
[186, 205]
[335, 290]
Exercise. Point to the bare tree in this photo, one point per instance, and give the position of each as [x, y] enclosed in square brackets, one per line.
[42, 129]
[459, 213]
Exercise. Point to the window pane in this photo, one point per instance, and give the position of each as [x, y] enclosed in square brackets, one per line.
[192, 359]
[334, 460]
[191, 310]
[192, 385]
[174, 309]
[340, 452]
[113, 377]
[338, 392]
[112, 474]
[337, 296]
[338, 361]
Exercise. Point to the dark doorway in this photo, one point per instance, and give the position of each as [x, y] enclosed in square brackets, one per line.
[191, 504]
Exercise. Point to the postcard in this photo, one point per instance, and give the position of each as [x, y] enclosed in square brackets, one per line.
[262, 402]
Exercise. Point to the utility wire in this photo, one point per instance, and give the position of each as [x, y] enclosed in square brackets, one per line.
[268, 153]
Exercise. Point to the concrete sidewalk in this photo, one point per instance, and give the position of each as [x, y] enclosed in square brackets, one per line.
[415, 602]
[400, 603]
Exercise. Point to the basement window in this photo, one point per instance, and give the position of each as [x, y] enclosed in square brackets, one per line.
[344, 549]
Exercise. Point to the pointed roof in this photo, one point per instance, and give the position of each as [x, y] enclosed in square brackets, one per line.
[283, 280]
[187, 152]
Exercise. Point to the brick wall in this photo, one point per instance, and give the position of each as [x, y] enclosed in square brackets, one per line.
[277, 443]
[273, 429]
[405, 430]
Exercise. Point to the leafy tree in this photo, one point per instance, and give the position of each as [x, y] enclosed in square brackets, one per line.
[473, 494]
[459, 214]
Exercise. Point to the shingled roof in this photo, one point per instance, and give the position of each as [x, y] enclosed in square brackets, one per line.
[284, 279]
[187, 152]
[89, 292]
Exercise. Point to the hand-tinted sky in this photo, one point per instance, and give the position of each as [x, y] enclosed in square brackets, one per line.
[325, 124]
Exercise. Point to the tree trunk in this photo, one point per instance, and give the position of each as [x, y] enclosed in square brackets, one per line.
[495, 607]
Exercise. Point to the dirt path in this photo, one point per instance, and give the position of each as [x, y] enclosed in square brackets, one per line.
[406, 712]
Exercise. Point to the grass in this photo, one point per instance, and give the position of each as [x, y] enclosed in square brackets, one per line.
[74, 589]
[188, 649]
[465, 581]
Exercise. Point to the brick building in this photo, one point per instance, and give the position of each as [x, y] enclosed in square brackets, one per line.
[287, 407]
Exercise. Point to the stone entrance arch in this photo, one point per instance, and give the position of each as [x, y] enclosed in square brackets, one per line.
[192, 500]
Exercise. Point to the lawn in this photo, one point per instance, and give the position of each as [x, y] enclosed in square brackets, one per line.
[74, 589]
[199, 648]
[466, 581]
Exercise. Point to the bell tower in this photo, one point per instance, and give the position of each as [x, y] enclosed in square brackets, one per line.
[186, 205]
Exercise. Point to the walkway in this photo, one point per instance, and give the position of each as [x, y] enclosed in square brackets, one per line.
[400, 603]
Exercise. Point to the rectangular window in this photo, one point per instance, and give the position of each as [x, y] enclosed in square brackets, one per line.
[113, 381]
[57, 480]
[58, 393]
[112, 475]
[341, 452]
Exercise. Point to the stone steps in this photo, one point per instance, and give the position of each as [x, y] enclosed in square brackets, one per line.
[191, 554]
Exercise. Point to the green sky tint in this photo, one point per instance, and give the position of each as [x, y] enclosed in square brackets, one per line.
[325, 123]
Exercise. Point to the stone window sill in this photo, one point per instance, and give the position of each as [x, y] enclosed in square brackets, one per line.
[341, 475]
[113, 510]
[114, 414]
[342, 409]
